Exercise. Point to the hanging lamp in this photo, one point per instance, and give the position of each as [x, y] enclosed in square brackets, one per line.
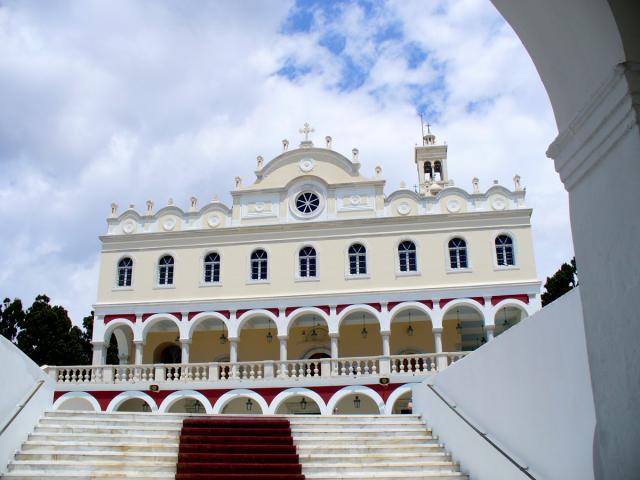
[410, 327]
[364, 331]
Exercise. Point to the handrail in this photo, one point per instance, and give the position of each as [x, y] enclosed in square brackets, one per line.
[482, 434]
[20, 406]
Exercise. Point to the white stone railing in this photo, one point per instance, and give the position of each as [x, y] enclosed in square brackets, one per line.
[220, 372]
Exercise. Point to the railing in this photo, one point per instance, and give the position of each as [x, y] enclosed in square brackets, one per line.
[20, 406]
[220, 372]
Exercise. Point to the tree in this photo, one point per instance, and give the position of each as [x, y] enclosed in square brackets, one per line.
[11, 314]
[47, 335]
[561, 282]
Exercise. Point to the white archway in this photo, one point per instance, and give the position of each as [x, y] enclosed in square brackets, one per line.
[297, 391]
[239, 393]
[395, 395]
[353, 390]
[185, 394]
[203, 316]
[84, 396]
[124, 396]
[157, 318]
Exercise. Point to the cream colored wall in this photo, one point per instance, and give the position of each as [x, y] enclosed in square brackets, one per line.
[421, 341]
[206, 347]
[253, 345]
[367, 406]
[237, 406]
[382, 264]
[351, 343]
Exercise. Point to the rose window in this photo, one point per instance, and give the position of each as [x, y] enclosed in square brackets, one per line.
[307, 202]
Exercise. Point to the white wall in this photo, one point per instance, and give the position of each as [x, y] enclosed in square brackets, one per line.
[530, 390]
[18, 376]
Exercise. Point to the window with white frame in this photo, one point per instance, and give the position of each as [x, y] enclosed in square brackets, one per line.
[165, 270]
[125, 272]
[458, 253]
[357, 259]
[407, 256]
[212, 268]
[308, 262]
[259, 260]
[504, 251]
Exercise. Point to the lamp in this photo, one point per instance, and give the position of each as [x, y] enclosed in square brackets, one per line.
[303, 404]
[269, 335]
[314, 332]
[356, 402]
[505, 322]
[410, 327]
[458, 326]
[364, 331]
[249, 405]
[223, 338]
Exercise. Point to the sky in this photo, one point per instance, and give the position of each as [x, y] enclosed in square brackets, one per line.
[119, 101]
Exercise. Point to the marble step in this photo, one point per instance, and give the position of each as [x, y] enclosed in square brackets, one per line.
[359, 433]
[92, 466]
[366, 449]
[82, 447]
[405, 458]
[348, 440]
[104, 437]
[121, 430]
[80, 474]
[137, 455]
[157, 420]
[365, 469]
[388, 476]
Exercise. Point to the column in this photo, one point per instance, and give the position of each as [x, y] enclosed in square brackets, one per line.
[386, 343]
[334, 344]
[441, 358]
[488, 332]
[99, 353]
[283, 356]
[233, 350]
[123, 358]
[185, 351]
[139, 351]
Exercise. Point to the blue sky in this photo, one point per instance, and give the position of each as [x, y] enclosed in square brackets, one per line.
[128, 101]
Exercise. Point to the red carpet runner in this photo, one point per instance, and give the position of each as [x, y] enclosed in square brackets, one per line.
[217, 448]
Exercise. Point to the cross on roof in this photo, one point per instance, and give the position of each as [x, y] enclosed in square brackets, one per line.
[306, 131]
[428, 127]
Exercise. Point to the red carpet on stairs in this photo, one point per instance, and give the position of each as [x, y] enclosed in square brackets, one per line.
[240, 448]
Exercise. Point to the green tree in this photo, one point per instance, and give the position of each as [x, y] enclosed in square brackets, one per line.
[87, 335]
[11, 314]
[47, 335]
[564, 280]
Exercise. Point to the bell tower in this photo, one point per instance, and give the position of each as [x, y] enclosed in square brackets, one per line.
[431, 160]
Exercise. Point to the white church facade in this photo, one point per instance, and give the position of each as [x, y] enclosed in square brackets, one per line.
[313, 292]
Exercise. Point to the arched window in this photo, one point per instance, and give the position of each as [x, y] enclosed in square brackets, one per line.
[407, 256]
[212, 268]
[165, 270]
[428, 171]
[437, 170]
[357, 259]
[259, 265]
[458, 253]
[125, 272]
[504, 250]
[308, 261]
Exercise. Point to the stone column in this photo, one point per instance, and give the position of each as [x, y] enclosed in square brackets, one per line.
[233, 350]
[334, 344]
[185, 350]
[386, 343]
[99, 354]
[123, 358]
[283, 355]
[139, 351]
[441, 359]
[488, 332]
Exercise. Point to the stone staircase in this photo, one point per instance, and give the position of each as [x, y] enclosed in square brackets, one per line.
[88, 445]
[368, 447]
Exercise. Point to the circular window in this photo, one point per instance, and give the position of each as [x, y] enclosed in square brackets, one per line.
[307, 202]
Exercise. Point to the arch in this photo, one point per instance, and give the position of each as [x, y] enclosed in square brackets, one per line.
[465, 302]
[457, 252]
[156, 318]
[118, 322]
[239, 393]
[124, 271]
[401, 307]
[357, 308]
[316, 351]
[246, 316]
[352, 390]
[295, 315]
[504, 250]
[297, 391]
[77, 396]
[465, 330]
[182, 394]
[201, 317]
[394, 396]
[211, 267]
[165, 274]
[357, 259]
[124, 396]
[307, 264]
[259, 264]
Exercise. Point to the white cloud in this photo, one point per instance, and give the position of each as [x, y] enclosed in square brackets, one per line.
[129, 101]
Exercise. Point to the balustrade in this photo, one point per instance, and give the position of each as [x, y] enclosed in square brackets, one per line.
[418, 364]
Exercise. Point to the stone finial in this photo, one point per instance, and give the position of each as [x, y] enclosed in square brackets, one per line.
[194, 203]
[216, 199]
[170, 201]
[378, 170]
[355, 153]
[327, 141]
[132, 206]
[238, 182]
[516, 183]
[476, 184]
[403, 184]
[259, 162]
[149, 207]
[285, 145]
[114, 209]
[495, 182]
